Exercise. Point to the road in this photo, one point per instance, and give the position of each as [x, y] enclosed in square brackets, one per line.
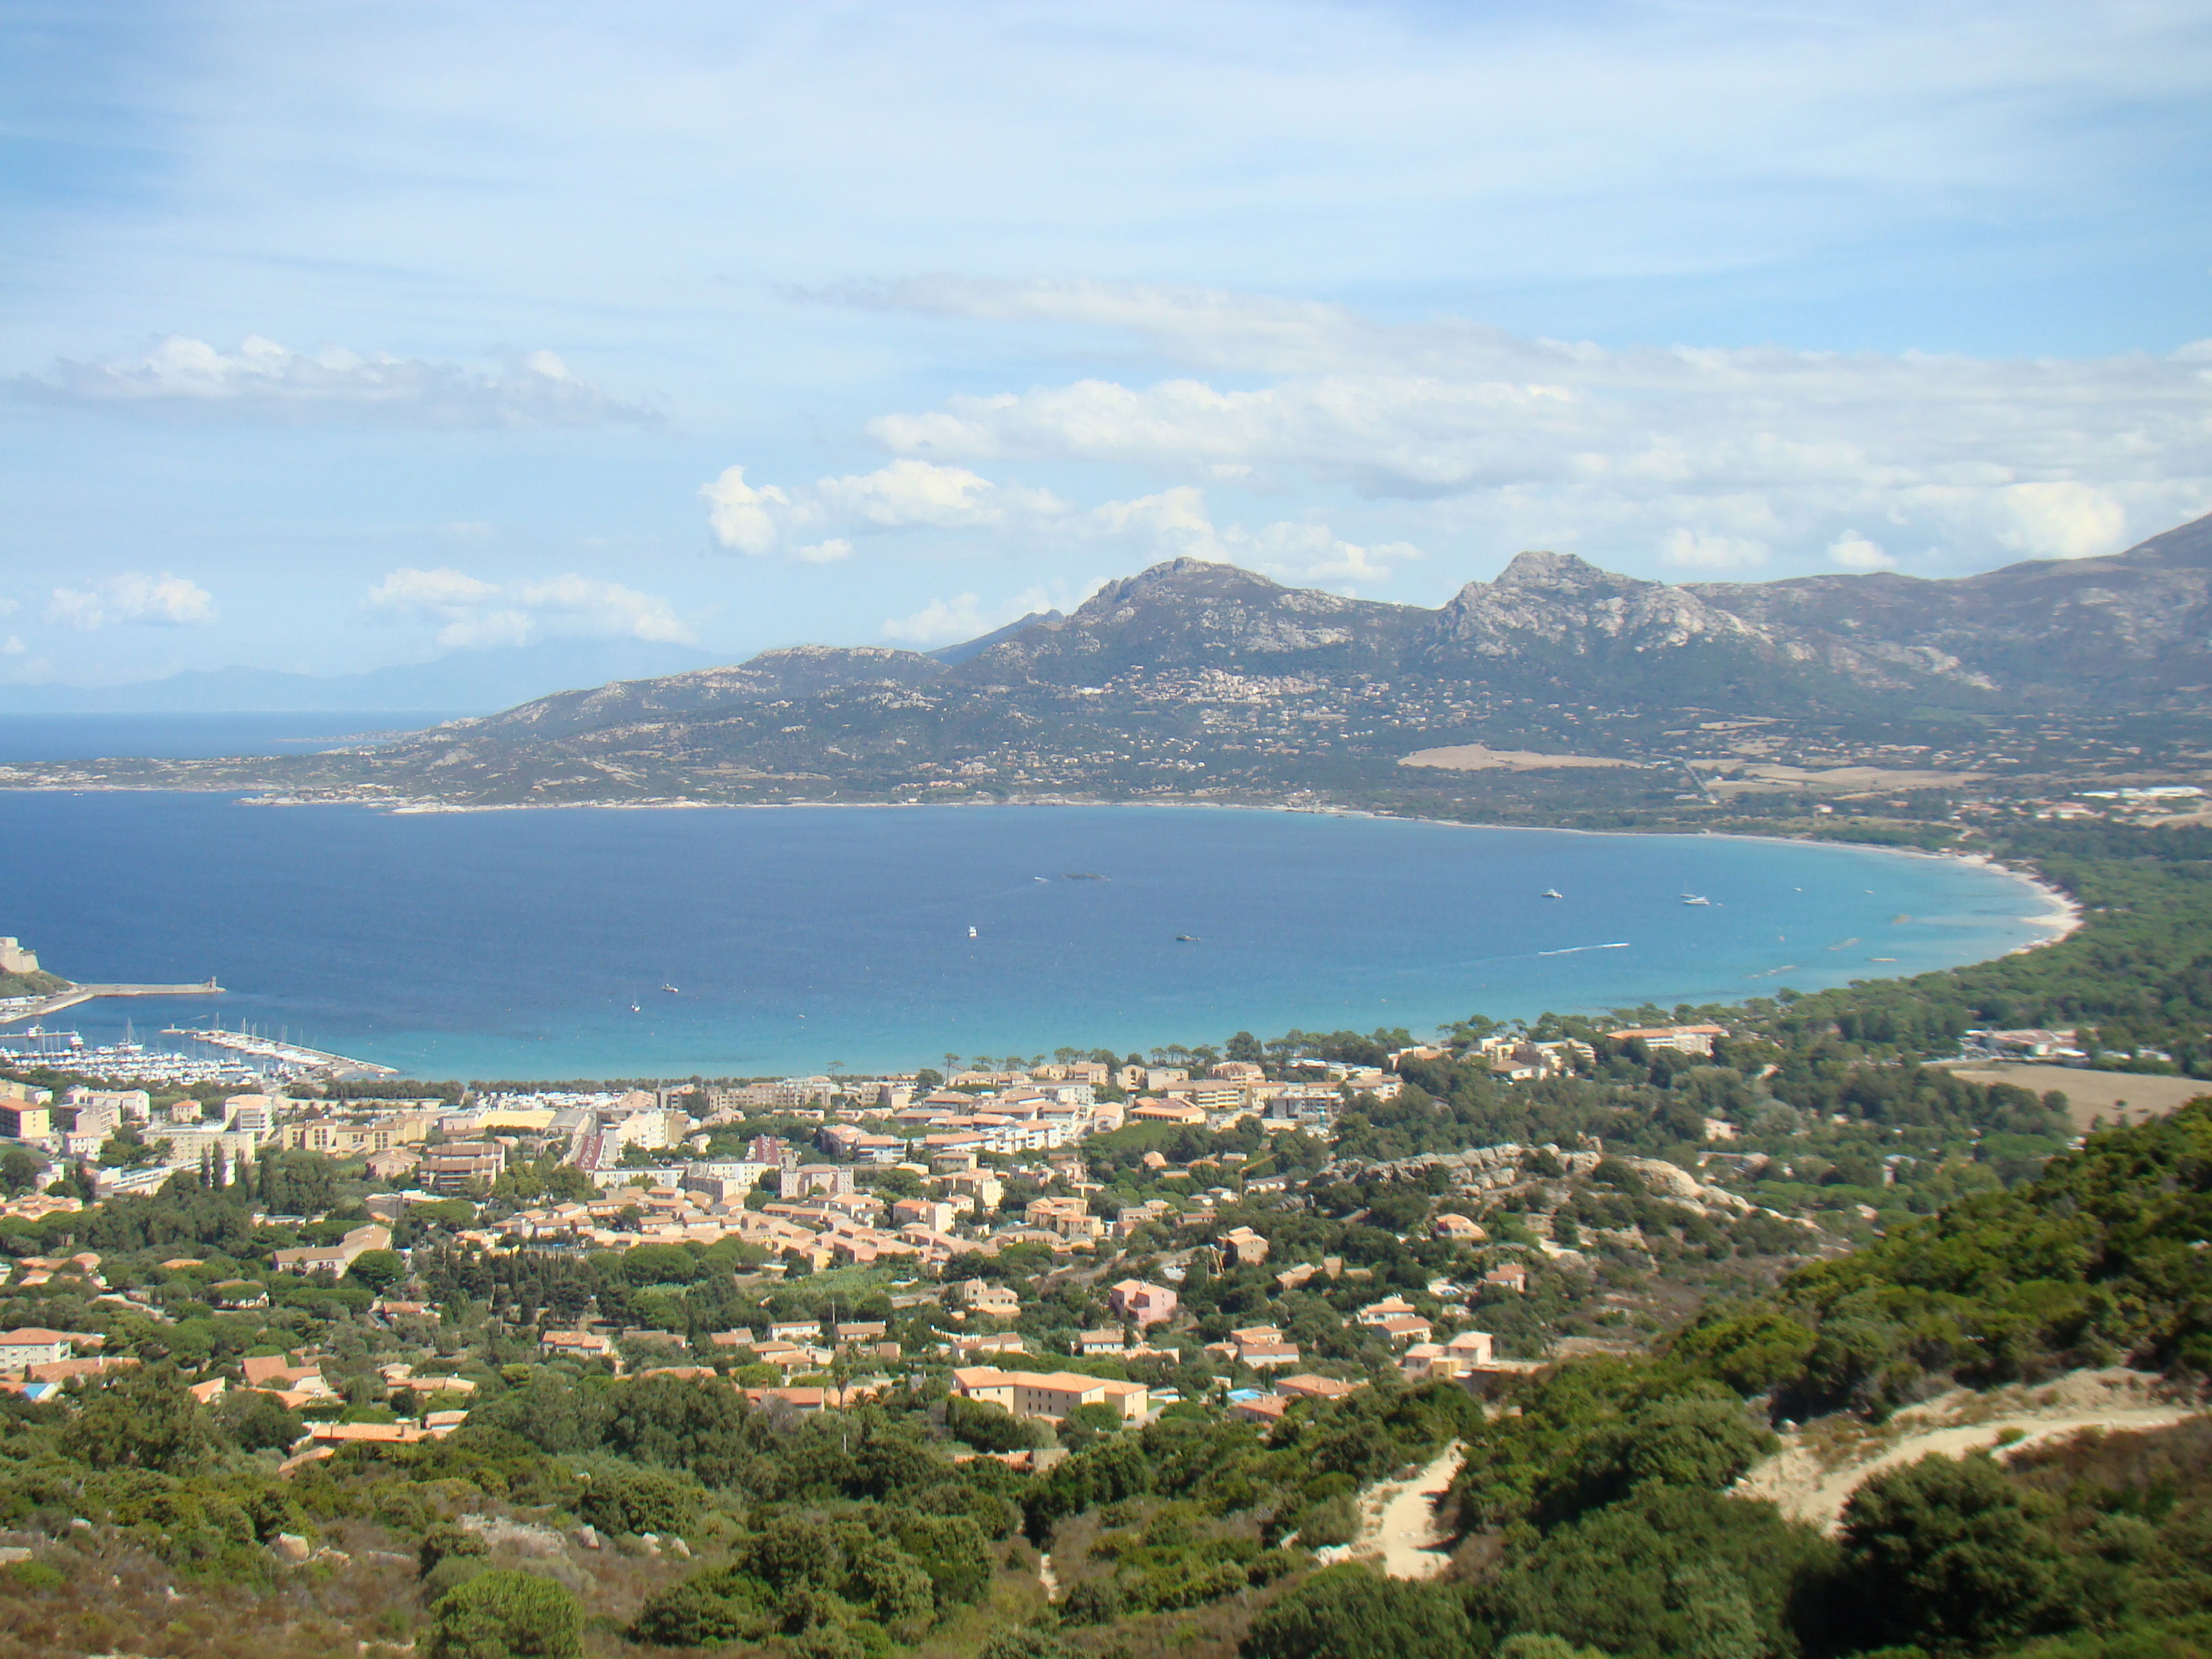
[1813, 1475]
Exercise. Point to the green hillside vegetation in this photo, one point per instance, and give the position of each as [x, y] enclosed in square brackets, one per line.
[38, 984]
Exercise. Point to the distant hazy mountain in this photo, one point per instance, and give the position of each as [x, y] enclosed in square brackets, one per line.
[463, 683]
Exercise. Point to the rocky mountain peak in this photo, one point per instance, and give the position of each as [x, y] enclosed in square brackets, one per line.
[1559, 571]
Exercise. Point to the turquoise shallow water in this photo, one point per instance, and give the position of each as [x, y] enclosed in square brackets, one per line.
[515, 943]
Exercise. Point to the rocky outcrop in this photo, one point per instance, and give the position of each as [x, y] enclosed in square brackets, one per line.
[1191, 613]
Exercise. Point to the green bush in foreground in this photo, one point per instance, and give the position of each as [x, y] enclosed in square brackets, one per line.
[507, 1615]
[1348, 1612]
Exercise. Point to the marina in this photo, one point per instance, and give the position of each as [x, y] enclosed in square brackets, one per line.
[126, 1061]
[296, 1057]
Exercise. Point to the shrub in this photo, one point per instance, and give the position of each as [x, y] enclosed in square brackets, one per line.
[445, 1539]
[36, 1576]
[507, 1615]
[1332, 1521]
[1013, 1644]
[1943, 1554]
[1349, 1612]
[708, 1609]
[640, 1501]
[1668, 1572]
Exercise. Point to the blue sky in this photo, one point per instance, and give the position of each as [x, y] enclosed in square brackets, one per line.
[345, 334]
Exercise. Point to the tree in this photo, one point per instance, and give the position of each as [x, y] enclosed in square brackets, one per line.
[143, 1419]
[1668, 1572]
[507, 1615]
[127, 1149]
[1703, 1444]
[988, 1427]
[19, 1171]
[257, 1421]
[1084, 1424]
[1349, 1612]
[1943, 1554]
[379, 1270]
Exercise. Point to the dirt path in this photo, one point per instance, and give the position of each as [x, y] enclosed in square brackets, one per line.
[1398, 1523]
[1818, 1469]
[1046, 1577]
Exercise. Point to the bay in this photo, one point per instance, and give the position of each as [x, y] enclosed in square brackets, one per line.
[535, 944]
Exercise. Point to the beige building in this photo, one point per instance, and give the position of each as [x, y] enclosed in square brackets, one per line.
[982, 1296]
[1050, 1395]
[459, 1165]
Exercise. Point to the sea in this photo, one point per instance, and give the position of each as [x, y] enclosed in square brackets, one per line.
[573, 943]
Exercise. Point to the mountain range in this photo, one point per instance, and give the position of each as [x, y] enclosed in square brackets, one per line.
[1193, 678]
[2072, 633]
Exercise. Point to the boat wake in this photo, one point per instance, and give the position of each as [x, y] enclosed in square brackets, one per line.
[1571, 949]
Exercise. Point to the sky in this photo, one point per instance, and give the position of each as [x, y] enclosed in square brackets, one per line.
[341, 335]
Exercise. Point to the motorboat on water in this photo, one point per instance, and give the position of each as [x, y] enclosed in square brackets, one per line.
[1551, 892]
[1695, 898]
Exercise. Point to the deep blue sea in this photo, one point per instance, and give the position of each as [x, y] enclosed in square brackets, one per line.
[535, 944]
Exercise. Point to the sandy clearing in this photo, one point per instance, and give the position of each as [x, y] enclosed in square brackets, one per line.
[1475, 758]
[2095, 1094]
[1398, 1523]
[1845, 777]
[1819, 1467]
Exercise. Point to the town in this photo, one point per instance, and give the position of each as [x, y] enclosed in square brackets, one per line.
[972, 1201]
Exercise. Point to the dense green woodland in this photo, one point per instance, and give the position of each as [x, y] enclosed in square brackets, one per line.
[1932, 1233]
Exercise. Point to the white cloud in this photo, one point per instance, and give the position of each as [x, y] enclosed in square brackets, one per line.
[1177, 521]
[2048, 457]
[914, 493]
[1704, 550]
[2062, 520]
[946, 622]
[747, 519]
[1855, 552]
[909, 495]
[11, 647]
[133, 597]
[941, 621]
[473, 613]
[263, 381]
[906, 495]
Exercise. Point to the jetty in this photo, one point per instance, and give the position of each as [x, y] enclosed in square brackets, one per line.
[14, 1010]
[284, 1053]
